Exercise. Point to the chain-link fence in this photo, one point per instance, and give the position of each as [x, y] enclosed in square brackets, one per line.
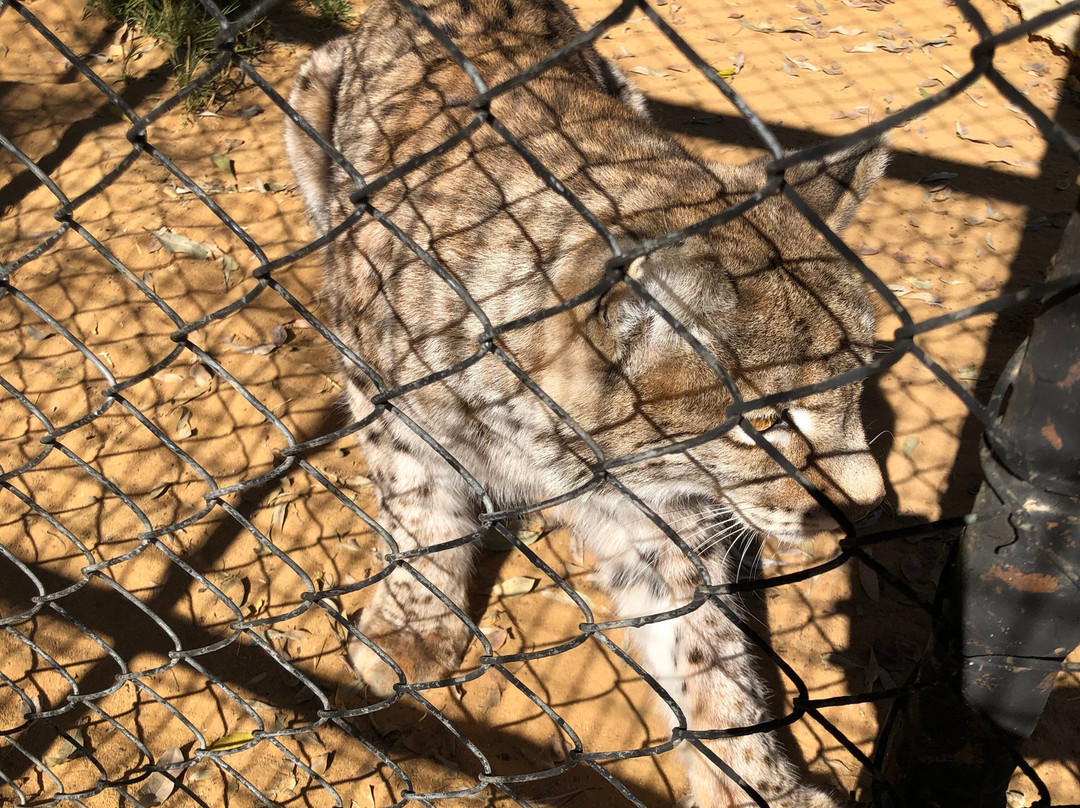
[189, 531]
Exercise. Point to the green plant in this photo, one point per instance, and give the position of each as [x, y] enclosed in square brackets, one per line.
[189, 29]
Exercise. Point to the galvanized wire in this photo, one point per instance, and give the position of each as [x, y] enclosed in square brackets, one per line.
[21, 751]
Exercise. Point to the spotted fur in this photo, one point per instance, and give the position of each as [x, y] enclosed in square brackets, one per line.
[764, 294]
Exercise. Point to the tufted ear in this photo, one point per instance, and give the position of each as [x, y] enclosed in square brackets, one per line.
[836, 185]
[620, 309]
[620, 314]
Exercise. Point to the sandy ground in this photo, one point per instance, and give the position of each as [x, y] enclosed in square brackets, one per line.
[972, 206]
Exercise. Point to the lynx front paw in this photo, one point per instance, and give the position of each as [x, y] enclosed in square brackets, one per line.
[758, 762]
[421, 657]
[808, 798]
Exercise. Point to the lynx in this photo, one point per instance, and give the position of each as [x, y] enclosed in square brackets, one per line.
[470, 237]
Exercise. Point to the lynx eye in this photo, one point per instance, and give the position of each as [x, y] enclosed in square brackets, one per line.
[763, 421]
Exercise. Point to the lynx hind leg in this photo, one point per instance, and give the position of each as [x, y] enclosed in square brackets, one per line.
[314, 97]
[421, 502]
[705, 664]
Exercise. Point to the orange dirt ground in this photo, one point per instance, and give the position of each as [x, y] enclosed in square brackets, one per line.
[988, 222]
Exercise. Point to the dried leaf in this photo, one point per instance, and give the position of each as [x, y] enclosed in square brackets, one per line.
[902, 258]
[201, 374]
[528, 535]
[514, 587]
[869, 581]
[496, 636]
[1029, 164]
[319, 756]
[233, 586]
[279, 335]
[929, 298]
[279, 514]
[296, 635]
[1015, 799]
[836, 660]
[910, 442]
[38, 334]
[159, 786]
[231, 740]
[649, 71]
[488, 689]
[912, 568]
[67, 749]
[249, 112]
[176, 243]
[161, 489]
[873, 670]
[184, 430]
[229, 267]
[200, 771]
[284, 782]
[962, 133]
[224, 164]
[920, 284]
[358, 481]
[868, 47]
[252, 350]
[802, 62]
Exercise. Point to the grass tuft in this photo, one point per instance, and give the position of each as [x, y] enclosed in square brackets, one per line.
[189, 29]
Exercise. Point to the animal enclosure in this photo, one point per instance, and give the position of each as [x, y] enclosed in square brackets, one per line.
[187, 528]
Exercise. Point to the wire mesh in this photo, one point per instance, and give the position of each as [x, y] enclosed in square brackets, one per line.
[182, 500]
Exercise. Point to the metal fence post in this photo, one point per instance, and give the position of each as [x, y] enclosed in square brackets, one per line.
[1015, 589]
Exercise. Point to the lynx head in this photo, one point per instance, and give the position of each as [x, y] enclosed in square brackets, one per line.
[779, 310]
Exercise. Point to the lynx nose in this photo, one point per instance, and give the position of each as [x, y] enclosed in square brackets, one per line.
[855, 486]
